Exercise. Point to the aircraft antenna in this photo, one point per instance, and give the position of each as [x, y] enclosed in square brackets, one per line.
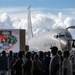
[30, 33]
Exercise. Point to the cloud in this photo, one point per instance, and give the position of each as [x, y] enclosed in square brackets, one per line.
[40, 22]
[5, 21]
[21, 12]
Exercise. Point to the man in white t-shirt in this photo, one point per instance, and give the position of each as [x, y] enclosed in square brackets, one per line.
[67, 64]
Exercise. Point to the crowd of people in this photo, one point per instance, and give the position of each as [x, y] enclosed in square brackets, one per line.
[37, 63]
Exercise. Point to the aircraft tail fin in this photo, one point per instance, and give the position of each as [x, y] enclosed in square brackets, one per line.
[30, 33]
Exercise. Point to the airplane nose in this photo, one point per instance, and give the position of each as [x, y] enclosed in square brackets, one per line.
[64, 44]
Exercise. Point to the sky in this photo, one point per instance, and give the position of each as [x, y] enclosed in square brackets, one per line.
[45, 14]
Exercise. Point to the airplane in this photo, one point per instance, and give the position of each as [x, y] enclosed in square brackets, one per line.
[56, 37]
[59, 37]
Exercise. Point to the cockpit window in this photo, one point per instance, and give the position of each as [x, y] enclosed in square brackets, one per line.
[62, 35]
[59, 36]
[55, 36]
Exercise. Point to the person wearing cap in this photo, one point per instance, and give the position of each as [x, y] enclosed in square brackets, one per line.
[54, 67]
